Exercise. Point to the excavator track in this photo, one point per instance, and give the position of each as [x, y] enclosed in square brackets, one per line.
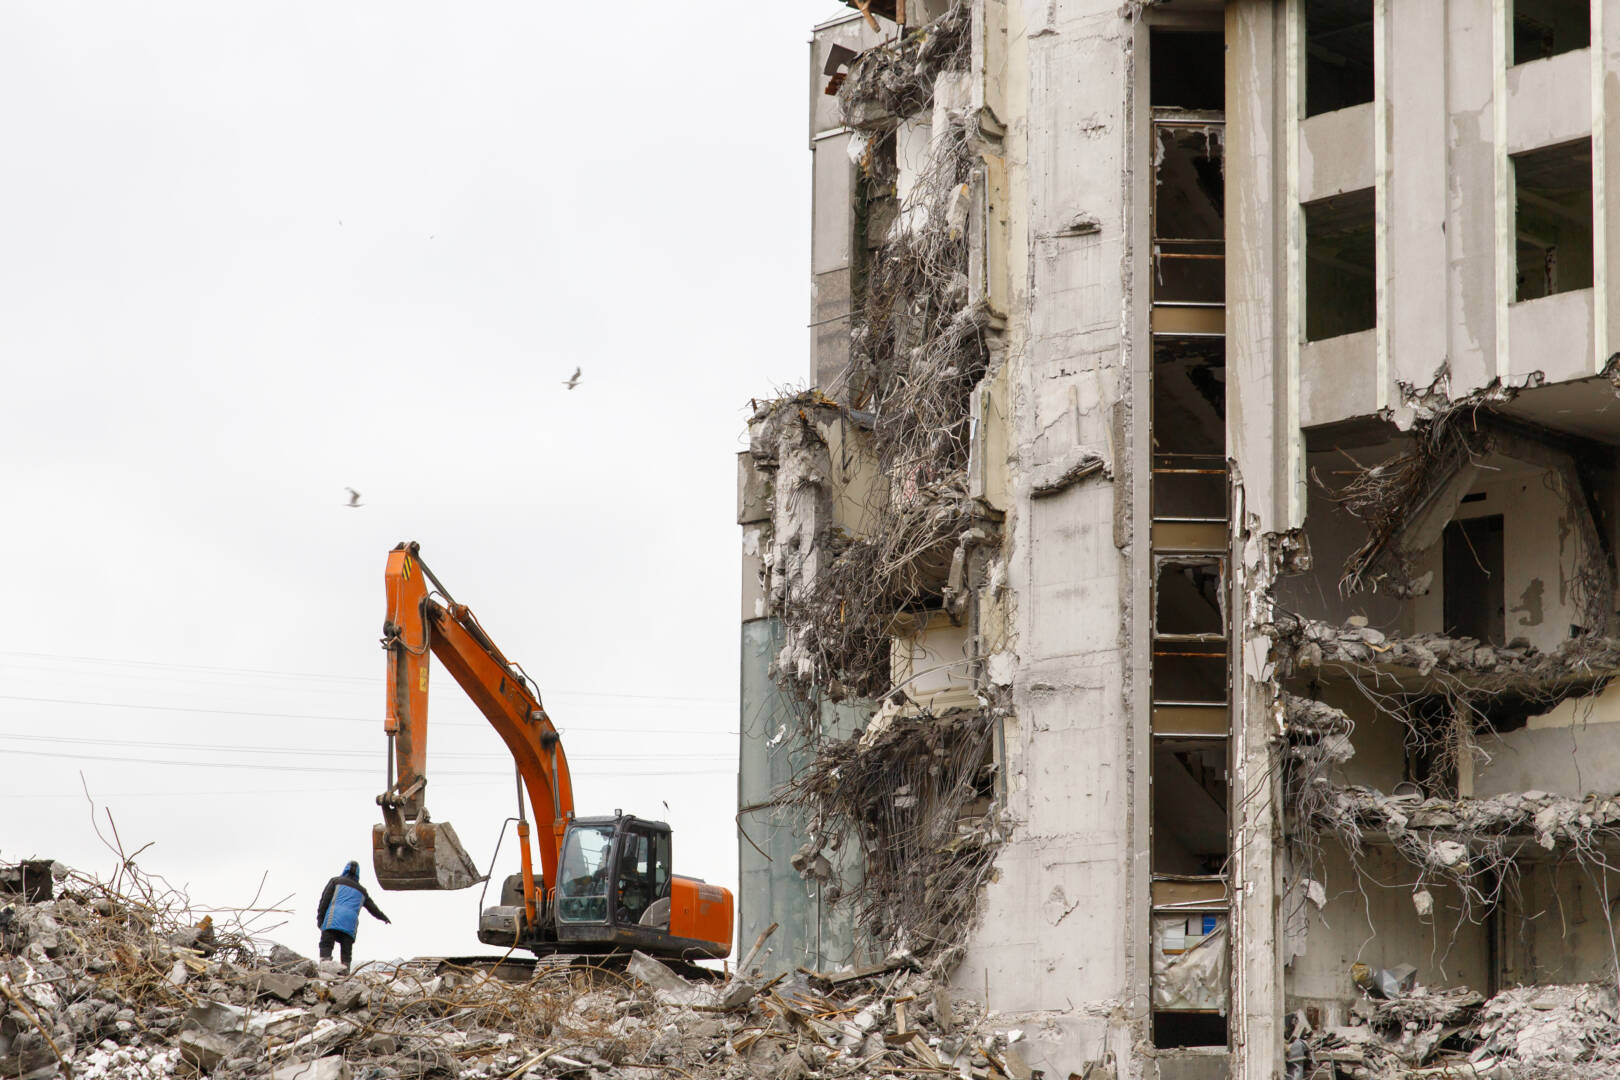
[522, 969]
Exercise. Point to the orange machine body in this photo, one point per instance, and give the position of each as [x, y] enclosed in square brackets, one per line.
[410, 851]
[700, 911]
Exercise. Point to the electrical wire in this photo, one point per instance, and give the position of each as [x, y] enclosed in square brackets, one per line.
[316, 751]
[273, 767]
[323, 716]
[357, 679]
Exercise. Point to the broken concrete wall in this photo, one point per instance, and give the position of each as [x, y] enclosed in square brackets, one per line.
[833, 237]
[1365, 913]
[1557, 927]
[1571, 749]
[873, 541]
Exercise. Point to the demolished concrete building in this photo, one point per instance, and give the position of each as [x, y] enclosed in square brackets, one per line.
[1182, 609]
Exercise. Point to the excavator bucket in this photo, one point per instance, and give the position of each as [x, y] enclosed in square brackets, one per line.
[432, 858]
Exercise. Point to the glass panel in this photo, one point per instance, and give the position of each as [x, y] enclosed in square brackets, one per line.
[1188, 273]
[1190, 892]
[1190, 536]
[1188, 187]
[1198, 721]
[1189, 397]
[635, 889]
[582, 885]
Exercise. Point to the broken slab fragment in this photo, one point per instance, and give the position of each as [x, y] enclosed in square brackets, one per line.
[667, 985]
[206, 1049]
[280, 985]
[326, 1068]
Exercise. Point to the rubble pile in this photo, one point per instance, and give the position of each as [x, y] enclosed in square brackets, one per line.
[97, 983]
[1304, 644]
[1524, 1033]
[1462, 838]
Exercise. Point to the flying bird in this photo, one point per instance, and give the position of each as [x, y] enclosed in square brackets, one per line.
[573, 380]
[354, 499]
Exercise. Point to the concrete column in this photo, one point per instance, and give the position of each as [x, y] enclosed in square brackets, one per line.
[1260, 397]
[1262, 115]
[1606, 172]
[1470, 201]
[1413, 100]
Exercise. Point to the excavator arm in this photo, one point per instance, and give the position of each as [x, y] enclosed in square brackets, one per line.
[409, 851]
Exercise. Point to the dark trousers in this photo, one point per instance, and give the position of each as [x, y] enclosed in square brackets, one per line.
[344, 941]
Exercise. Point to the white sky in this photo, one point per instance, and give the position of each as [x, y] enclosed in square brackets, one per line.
[251, 253]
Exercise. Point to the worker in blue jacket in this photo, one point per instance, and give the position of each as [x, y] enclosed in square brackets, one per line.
[339, 913]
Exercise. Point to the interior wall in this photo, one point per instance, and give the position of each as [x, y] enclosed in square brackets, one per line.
[1370, 918]
[1542, 552]
[1570, 750]
[1555, 929]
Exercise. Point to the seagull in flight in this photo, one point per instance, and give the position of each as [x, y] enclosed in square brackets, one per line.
[573, 380]
[354, 502]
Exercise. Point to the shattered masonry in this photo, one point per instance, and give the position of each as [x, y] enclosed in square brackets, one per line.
[122, 980]
[872, 525]
[1181, 610]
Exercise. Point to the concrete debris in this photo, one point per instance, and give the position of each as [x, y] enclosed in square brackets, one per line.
[1441, 823]
[896, 80]
[1306, 644]
[85, 992]
[1524, 1033]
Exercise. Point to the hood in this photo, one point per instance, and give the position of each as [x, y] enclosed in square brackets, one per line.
[351, 869]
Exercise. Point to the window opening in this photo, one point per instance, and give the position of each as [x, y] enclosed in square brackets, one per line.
[1552, 219]
[1189, 69]
[1338, 54]
[1341, 266]
[1543, 28]
[1189, 262]
[1190, 832]
[1473, 591]
[1188, 599]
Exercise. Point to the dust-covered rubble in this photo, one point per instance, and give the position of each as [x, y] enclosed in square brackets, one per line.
[122, 982]
[1524, 1033]
[1307, 644]
[1552, 820]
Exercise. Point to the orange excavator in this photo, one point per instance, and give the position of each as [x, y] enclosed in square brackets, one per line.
[605, 883]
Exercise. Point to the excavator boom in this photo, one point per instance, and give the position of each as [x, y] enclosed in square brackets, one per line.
[409, 851]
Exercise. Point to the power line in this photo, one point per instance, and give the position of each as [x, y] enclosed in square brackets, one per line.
[317, 751]
[108, 661]
[270, 767]
[318, 716]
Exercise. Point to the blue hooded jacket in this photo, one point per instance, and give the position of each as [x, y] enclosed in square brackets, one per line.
[342, 900]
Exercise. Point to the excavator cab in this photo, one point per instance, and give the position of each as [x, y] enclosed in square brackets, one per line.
[616, 891]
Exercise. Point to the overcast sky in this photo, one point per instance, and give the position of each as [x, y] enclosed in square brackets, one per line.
[251, 253]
